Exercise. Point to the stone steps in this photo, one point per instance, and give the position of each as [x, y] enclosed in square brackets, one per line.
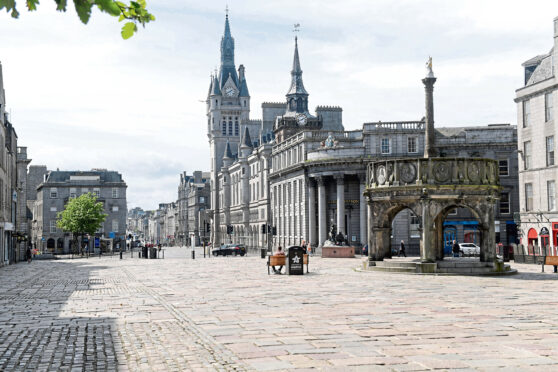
[393, 269]
[448, 267]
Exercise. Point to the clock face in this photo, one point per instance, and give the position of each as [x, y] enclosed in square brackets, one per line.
[229, 91]
[301, 119]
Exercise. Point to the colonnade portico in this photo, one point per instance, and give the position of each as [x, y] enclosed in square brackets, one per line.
[318, 222]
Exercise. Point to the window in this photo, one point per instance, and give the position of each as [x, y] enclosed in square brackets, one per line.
[224, 128]
[53, 192]
[527, 154]
[526, 114]
[385, 146]
[528, 196]
[453, 212]
[114, 225]
[549, 151]
[114, 193]
[97, 192]
[230, 127]
[84, 190]
[548, 113]
[551, 195]
[414, 226]
[52, 226]
[115, 208]
[73, 192]
[202, 199]
[412, 145]
[53, 209]
[503, 167]
[236, 129]
[505, 203]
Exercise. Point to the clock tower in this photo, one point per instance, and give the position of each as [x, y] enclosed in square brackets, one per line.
[228, 108]
[297, 115]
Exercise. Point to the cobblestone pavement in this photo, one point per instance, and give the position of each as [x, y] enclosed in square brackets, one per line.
[227, 314]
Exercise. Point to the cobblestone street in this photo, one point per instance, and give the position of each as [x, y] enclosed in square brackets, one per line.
[227, 314]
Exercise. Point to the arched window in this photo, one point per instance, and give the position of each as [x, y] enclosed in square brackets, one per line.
[236, 131]
[230, 127]
[244, 103]
[224, 128]
[299, 104]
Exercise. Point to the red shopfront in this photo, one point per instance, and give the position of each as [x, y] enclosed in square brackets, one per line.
[555, 237]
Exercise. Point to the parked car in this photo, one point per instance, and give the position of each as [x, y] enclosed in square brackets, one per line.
[469, 249]
[229, 250]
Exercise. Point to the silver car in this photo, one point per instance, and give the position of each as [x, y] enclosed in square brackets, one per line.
[469, 249]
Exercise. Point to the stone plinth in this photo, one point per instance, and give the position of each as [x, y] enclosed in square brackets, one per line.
[338, 252]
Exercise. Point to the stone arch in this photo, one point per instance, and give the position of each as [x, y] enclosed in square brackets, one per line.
[439, 219]
[51, 243]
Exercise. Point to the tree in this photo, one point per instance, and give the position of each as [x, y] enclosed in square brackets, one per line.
[134, 13]
[82, 215]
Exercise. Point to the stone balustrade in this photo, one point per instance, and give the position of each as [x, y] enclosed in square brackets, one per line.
[432, 171]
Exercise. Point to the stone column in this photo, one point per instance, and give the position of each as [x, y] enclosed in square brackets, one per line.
[370, 240]
[322, 221]
[312, 212]
[429, 136]
[488, 244]
[363, 209]
[340, 179]
[428, 248]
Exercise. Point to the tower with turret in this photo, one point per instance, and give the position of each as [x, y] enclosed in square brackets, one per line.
[228, 107]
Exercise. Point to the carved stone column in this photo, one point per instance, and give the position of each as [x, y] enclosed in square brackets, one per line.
[312, 212]
[488, 244]
[363, 209]
[322, 221]
[340, 179]
[429, 150]
[428, 248]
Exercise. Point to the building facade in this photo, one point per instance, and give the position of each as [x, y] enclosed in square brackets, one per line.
[59, 187]
[536, 103]
[193, 197]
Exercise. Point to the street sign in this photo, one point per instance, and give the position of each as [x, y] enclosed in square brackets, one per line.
[112, 235]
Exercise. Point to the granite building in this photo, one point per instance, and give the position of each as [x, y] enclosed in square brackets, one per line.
[193, 198]
[300, 175]
[58, 187]
[536, 102]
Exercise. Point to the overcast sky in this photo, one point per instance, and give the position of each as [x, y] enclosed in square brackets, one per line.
[81, 97]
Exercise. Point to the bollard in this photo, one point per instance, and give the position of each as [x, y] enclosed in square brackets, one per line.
[120, 254]
[193, 254]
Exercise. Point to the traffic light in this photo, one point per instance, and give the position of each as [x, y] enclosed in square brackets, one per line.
[230, 229]
[274, 230]
[263, 229]
[208, 227]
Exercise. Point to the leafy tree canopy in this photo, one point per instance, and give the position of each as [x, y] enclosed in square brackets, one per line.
[82, 215]
[134, 13]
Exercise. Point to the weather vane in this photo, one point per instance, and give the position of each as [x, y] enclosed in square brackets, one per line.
[227, 9]
[296, 28]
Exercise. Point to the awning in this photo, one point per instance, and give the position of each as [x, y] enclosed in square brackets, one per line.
[532, 234]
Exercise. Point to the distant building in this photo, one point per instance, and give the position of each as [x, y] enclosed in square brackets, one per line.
[537, 103]
[193, 198]
[59, 187]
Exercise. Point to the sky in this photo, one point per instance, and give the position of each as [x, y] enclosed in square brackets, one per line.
[81, 97]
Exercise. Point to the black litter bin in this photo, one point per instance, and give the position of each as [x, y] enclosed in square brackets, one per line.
[264, 252]
[152, 252]
[295, 261]
[144, 252]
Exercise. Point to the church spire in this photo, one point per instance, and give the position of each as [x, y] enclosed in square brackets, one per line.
[227, 56]
[297, 86]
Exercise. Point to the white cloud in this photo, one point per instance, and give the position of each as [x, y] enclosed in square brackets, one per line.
[82, 97]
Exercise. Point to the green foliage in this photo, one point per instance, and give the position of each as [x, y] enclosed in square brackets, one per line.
[134, 13]
[82, 215]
